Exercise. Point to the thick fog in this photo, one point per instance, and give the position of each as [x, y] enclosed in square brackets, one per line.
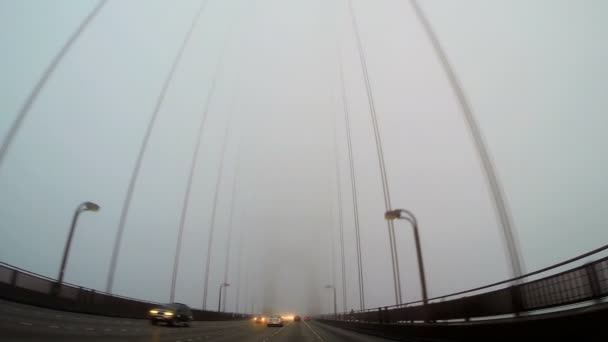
[263, 78]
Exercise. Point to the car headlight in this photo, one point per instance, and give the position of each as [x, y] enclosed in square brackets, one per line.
[169, 313]
[154, 312]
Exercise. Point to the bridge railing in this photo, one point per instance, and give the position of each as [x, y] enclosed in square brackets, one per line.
[26, 287]
[576, 285]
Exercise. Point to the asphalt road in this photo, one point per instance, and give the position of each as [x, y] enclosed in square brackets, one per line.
[20, 322]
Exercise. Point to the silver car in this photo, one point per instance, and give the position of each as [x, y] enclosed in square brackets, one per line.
[275, 321]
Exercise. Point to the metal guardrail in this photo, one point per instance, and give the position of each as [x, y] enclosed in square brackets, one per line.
[576, 285]
[26, 287]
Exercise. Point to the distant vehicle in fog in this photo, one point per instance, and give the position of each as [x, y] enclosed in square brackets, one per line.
[171, 314]
[275, 321]
[259, 319]
[297, 318]
[307, 318]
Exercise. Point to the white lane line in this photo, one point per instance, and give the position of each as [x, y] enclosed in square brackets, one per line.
[53, 327]
[123, 329]
[314, 332]
[90, 329]
[25, 323]
[58, 316]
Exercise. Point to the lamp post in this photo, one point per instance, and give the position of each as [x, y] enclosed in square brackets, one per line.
[335, 303]
[409, 216]
[85, 206]
[219, 303]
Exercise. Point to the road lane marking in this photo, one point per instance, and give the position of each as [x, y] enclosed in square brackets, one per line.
[53, 327]
[107, 329]
[314, 332]
[90, 329]
[276, 332]
[25, 323]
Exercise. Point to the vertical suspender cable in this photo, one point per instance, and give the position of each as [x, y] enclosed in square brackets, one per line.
[500, 202]
[218, 183]
[339, 184]
[332, 241]
[193, 165]
[48, 72]
[230, 221]
[239, 258]
[381, 162]
[142, 149]
[340, 220]
[353, 182]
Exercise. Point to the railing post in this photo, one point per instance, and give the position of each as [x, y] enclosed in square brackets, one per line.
[516, 299]
[79, 296]
[55, 289]
[91, 297]
[14, 278]
[594, 283]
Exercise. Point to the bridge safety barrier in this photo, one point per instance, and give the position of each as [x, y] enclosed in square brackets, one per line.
[588, 282]
[22, 286]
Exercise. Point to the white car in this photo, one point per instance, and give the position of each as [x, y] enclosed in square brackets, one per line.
[274, 321]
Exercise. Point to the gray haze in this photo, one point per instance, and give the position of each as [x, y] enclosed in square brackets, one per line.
[535, 73]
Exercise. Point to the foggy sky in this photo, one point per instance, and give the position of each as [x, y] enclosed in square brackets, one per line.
[535, 74]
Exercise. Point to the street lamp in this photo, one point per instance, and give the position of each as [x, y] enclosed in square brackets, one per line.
[219, 303]
[335, 303]
[409, 216]
[85, 206]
